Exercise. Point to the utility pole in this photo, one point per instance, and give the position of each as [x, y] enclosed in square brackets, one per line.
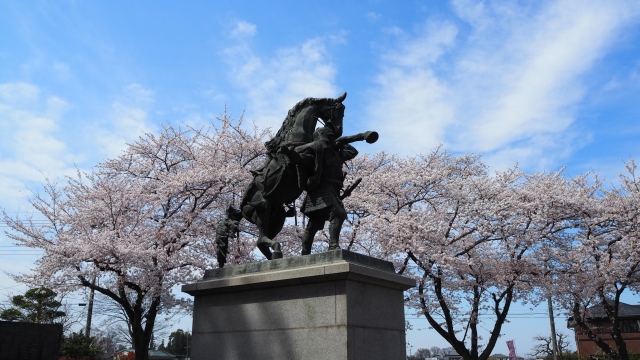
[553, 329]
[87, 329]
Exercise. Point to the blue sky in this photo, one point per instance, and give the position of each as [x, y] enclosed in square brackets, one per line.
[542, 83]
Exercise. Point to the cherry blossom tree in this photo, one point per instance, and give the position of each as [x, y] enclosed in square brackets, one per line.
[140, 224]
[461, 233]
[469, 239]
[477, 242]
[599, 259]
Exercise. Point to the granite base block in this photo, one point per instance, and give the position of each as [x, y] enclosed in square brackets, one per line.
[333, 305]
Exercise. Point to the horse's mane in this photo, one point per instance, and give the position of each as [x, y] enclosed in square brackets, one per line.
[287, 124]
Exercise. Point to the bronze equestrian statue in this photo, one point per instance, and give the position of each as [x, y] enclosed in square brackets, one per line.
[297, 162]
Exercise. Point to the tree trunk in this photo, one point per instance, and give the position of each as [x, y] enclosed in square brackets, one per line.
[142, 335]
[592, 335]
[449, 334]
[616, 334]
[140, 343]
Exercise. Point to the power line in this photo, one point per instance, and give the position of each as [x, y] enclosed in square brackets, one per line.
[21, 248]
[18, 254]
[10, 287]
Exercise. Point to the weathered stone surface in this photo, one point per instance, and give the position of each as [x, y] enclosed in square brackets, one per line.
[300, 261]
[30, 341]
[317, 343]
[333, 305]
[301, 306]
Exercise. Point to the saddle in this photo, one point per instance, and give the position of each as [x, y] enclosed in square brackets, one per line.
[270, 175]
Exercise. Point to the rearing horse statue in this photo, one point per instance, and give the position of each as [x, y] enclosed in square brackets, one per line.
[279, 181]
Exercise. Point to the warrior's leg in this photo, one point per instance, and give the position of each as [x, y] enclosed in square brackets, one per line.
[316, 224]
[338, 216]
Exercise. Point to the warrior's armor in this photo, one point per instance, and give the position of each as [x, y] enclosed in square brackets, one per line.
[323, 202]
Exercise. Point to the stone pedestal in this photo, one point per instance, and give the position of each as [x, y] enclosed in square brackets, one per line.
[333, 305]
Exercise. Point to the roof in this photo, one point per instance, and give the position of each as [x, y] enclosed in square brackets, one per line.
[624, 311]
[450, 352]
[498, 356]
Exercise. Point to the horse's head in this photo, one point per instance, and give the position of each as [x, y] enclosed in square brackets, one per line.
[302, 119]
[333, 113]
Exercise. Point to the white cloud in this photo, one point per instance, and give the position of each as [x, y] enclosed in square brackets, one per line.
[30, 148]
[565, 43]
[244, 29]
[12, 93]
[510, 87]
[410, 105]
[127, 120]
[137, 94]
[274, 83]
[393, 30]
[372, 16]
[62, 69]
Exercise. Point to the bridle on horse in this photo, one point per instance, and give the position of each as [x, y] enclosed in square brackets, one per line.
[324, 123]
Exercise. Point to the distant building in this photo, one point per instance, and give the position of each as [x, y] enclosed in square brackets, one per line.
[450, 354]
[153, 354]
[499, 357]
[629, 316]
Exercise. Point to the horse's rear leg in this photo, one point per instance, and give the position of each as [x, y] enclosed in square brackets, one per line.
[265, 244]
[264, 248]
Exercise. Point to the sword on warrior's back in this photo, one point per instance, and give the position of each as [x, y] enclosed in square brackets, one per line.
[368, 136]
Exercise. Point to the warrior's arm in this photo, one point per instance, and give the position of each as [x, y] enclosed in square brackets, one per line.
[303, 155]
[369, 136]
[306, 154]
[306, 159]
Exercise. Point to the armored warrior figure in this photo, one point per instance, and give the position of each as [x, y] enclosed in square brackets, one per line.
[323, 202]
